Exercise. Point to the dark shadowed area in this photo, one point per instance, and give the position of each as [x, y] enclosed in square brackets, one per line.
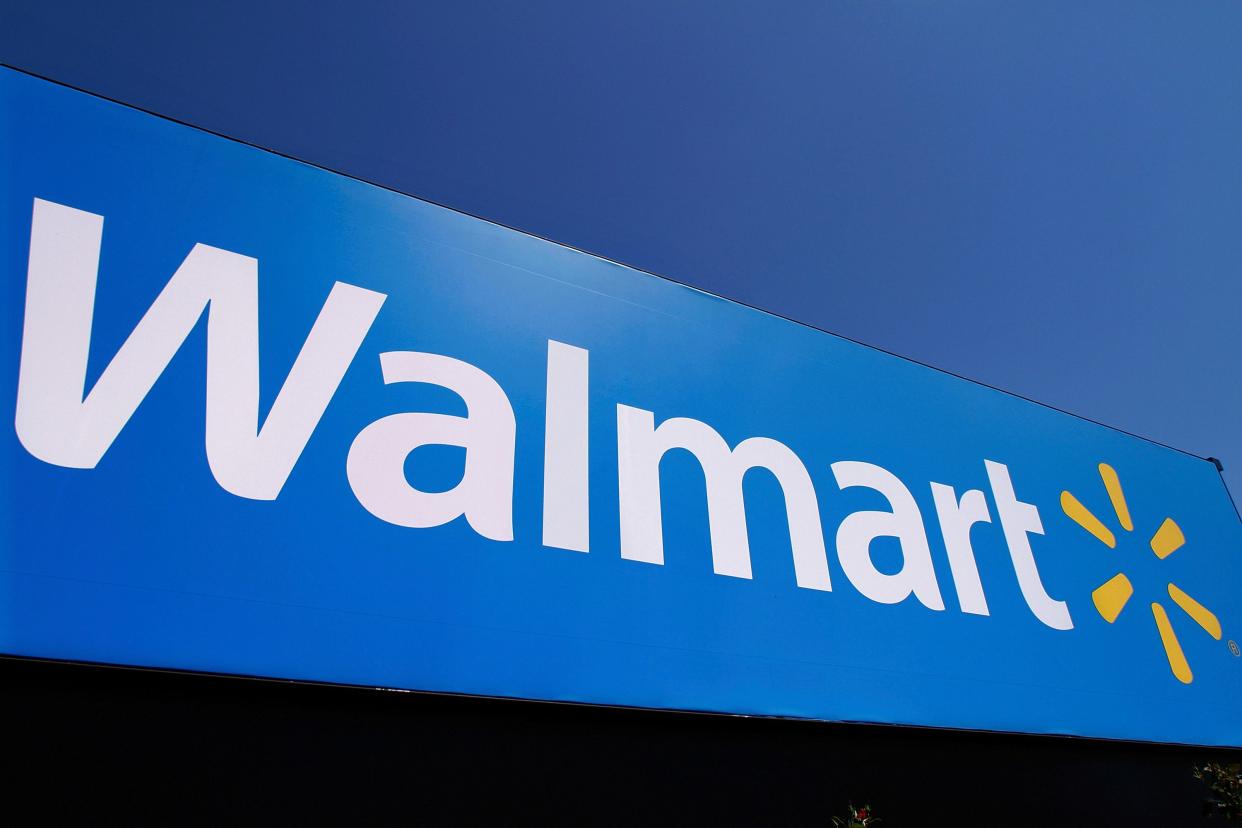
[125, 746]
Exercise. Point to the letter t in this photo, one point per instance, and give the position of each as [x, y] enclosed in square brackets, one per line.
[1018, 520]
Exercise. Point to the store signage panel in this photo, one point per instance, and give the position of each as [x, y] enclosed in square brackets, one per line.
[269, 420]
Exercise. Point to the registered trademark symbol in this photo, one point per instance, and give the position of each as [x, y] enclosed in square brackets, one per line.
[1233, 648]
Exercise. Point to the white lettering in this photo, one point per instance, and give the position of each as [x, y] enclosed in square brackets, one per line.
[956, 519]
[640, 446]
[566, 471]
[1019, 519]
[905, 523]
[58, 425]
[376, 462]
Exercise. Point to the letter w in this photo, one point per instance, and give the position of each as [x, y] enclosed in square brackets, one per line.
[57, 425]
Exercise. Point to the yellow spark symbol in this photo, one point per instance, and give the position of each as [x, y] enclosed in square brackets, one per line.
[1110, 597]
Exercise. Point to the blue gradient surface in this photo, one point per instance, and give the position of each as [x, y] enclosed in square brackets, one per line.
[1040, 196]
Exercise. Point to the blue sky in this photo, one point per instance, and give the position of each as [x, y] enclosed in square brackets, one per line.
[1046, 197]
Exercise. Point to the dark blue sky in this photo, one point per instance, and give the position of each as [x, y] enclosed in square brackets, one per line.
[1046, 197]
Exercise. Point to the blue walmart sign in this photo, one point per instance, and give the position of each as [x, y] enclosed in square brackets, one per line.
[269, 420]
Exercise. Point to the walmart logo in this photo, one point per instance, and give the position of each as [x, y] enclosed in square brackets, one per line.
[58, 421]
[1111, 597]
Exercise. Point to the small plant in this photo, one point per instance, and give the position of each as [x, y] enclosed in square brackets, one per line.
[1225, 783]
[857, 818]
